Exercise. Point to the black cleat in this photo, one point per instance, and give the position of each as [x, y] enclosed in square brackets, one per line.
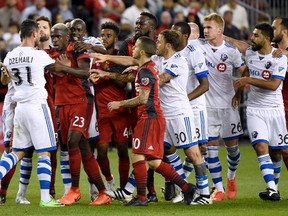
[189, 194]
[2, 199]
[169, 191]
[270, 194]
[151, 197]
[136, 202]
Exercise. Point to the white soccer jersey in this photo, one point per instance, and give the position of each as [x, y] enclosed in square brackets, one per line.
[220, 61]
[265, 67]
[197, 70]
[173, 95]
[26, 68]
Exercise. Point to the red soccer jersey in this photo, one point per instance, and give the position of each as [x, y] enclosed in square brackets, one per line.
[70, 89]
[147, 78]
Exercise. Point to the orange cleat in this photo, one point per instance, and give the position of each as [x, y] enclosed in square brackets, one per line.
[102, 199]
[71, 197]
[231, 188]
[219, 196]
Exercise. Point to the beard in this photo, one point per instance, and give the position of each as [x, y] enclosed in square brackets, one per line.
[44, 38]
[256, 47]
[278, 38]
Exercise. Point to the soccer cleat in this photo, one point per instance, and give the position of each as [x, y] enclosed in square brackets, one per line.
[202, 200]
[22, 200]
[189, 193]
[136, 202]
[119, 194]
[270, 194]
[169, 191]
[71, 197]
[110, 185]
[231, 189]
[2, 199]
[51, 204]
[102, 199]
[219, 196]
[178, 198]
[151, 197]
[93, 192]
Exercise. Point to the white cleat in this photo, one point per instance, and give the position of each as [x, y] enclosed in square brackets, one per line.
[22, 200]
[110, 185]
[119, 194]
[202, 200]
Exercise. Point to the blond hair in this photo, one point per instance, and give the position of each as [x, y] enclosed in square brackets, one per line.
[216, 18]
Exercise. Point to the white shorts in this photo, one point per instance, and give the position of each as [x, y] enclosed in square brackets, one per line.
[224, 123]
[180, 132]
[33, 127]
[268, 126]
[93, 132]
[7, 119]
[201, 124]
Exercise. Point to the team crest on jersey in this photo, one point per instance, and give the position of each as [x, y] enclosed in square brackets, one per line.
[223, 57]
[221, 67]
[254, 134]
[268, 65]
[266, 74]
[145, 81]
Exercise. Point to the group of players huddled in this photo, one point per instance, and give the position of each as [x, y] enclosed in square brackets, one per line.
[72, 95]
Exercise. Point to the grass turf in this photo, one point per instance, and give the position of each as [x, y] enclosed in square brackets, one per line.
[249, 181]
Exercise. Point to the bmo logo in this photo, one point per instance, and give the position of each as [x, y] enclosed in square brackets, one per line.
[266, 74]
[221, 67]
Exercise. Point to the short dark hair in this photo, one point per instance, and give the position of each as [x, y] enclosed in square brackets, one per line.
[46, 19]
[151, 17]
[184, 26]
[148, 45]
[27, 27]
[112, 26]
[171, 37]
[266, 30]
[284, 22]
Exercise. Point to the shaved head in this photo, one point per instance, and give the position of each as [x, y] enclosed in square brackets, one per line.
[61, 27]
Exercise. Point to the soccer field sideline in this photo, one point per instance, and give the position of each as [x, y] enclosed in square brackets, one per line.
[249, 180]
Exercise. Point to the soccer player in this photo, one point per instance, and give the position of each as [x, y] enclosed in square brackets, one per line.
[26, 68]
[113, 126]
[148, 149]
[75, 101]
[223, 120]
[265, 109]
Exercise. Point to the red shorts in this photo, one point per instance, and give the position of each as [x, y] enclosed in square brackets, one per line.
[117, 129]
[75, 117]
[148, 137]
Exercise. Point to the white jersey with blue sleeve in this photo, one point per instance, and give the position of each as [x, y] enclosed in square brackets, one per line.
[220, 62]
[265, 67]
[26, 68]
[173, 95]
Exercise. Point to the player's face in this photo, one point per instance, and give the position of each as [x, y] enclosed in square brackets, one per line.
[59, 39]
[160, 51]
[143, 27]
[44, 30]
[37, 37]
[77, 31]
[211, 30]
[257, 40]
[108, 37]
[278, 35]
[136, 50]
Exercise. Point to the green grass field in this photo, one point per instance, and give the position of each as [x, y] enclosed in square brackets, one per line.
[247, 202]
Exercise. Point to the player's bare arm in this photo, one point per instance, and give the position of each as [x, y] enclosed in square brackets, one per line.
[236, 100]
[133, 102]
[80, 46]
[241, 45]
[121, 60]
[272, 84]
[124, 78]
[201, 89]
[164, 78]
[278, 52]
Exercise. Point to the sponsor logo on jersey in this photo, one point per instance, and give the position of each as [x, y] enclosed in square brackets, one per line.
[145, 81]
[221, 67]
[280, 69]
[266, 74]
[268, 65]
[210, 64]
[254, 72]
[254, 134]
[174, 66]
[223, 57]
[200, 65]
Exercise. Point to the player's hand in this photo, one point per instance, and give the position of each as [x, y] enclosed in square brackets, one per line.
[130, 69]
[98, 58]
[80, 46]
[278, 52]
[63, 59]
[236, 100]
[99, 73]
[241, 82]
[94, 78]
[55, 68]
[114, 105]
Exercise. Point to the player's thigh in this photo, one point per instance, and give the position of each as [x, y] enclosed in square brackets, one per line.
[231, 124]
[122, 129]
[200, 120]
[105, 127]
[214, 124]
